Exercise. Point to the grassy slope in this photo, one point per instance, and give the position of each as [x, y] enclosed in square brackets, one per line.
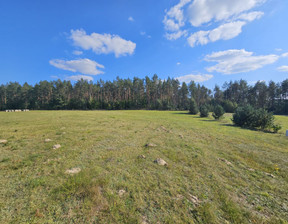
[106, 144]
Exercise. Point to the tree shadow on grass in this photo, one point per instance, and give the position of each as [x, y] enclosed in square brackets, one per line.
[182, 113]
[229, 125]
[192, 115]
[251, 129]
[208, 120]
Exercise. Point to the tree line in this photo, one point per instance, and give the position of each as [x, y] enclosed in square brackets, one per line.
[147, 93]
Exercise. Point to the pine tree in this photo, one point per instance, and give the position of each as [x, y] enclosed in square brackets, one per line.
[193, 108]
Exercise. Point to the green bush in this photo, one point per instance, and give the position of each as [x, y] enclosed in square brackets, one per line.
[204, 111]
[193, 108]
[243, 116]
[276, 127]
[262, 119]
[250, 117]
[218, 112]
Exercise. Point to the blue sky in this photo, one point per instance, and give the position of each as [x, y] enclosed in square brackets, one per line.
[208, 41]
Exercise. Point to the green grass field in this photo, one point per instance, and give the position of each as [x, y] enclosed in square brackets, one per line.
[216, 173]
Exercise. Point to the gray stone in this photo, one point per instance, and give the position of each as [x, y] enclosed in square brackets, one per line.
[58, 146]
[142, 157]
[150, 145]
[226, 161]
[73, 171]
[121, 192]
[160, 162]
[3, 141]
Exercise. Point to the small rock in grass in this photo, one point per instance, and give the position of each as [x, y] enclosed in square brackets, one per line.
[181, 136]
[251, 169]
[160, 162]
[73, 170]
[47, 140]
[144, 220]
[270, 175]
[226, 161]
[150, 145]
[3, 141]
[121, 192]
[56, 146]
[142, 157]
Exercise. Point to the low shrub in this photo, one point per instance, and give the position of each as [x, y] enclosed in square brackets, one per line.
[204, 111]
[276, 127]
[250, 117]
[218, 112]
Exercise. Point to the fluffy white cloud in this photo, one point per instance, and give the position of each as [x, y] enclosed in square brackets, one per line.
[224, 32]
[231, 14]
[204, 11]
[284, 55]
[237, 61]
[174, 20]
[102, 43]
[283, 68]
[77, 52]
[195, 78]
[79, 77]
[84, 66]
[131, 19]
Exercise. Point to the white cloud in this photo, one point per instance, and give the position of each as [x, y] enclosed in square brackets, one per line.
[224, 32]
[77, 52]
[84, 66]
[283, 68]
[200, 37]
[103, 43]
[284, 55]
[229, 15]
[249, 17]
[178, 63]
[131, 19]
[237, 61]
[79, 77]
[174, 20]
[143, 33]
[203, 11]
[195, 78]
[176, 35]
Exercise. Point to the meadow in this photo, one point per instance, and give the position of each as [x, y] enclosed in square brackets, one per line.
[105, 170]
